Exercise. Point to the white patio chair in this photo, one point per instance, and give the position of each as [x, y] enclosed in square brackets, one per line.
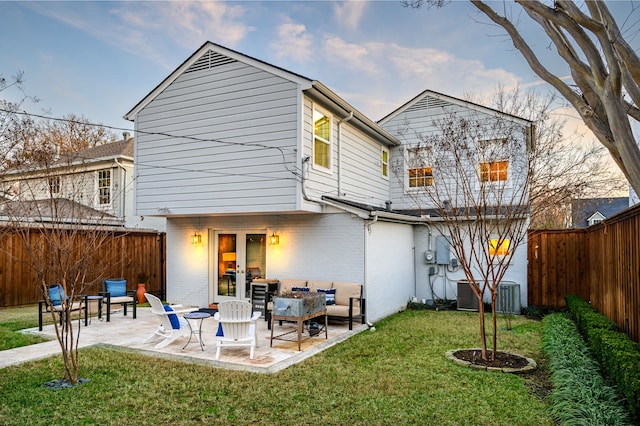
[171, 326]
[238, 325]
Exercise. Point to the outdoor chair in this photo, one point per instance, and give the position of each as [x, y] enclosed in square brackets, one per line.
[55, 293]
[238, 325]
[114, 290]
[171, 326]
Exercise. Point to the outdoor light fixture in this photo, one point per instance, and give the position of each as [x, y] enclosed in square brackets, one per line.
[274, 239]
[196, 238]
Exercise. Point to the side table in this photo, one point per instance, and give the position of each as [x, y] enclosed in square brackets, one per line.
[87, 299]
[195, 326]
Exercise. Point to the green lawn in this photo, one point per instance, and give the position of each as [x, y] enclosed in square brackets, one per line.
[395, 375]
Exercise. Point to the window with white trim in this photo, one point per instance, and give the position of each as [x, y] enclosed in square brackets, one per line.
[494, 171]
[419, 174]
[384, 161]
[321, 139]
[54, 185]
[104, 187]
[499, 247]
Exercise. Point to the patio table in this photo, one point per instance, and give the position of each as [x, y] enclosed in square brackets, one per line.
[300, 321]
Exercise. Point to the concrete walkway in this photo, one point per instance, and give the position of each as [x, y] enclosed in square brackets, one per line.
[125, 333]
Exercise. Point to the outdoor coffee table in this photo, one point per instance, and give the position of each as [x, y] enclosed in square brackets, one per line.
[300, 321]
[196, 327]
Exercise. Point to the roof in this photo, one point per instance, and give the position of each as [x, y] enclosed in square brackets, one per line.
[313, 88]
[417, 102]
[59, 210]
[122, 149]
[583, 209]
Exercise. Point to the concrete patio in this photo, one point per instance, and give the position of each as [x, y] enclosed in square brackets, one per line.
[125, 333]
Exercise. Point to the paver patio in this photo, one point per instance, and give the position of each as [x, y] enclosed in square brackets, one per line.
[126, 333]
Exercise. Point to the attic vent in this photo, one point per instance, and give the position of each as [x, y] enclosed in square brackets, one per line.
[209, 60]
[428, 103]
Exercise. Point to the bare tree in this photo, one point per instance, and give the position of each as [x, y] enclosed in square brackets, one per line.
[566, 166]
[605, 69]
[65, 242]
[477, 182]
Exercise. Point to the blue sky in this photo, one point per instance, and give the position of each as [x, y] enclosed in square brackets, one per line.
[98, 59]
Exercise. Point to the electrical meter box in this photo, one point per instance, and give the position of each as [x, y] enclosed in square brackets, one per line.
[443, 249]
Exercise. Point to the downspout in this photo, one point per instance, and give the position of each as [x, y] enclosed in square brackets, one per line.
[344, 120]
[123, 184]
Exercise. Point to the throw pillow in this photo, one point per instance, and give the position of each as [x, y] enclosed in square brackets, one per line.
[299, 288]
[329, 294]
[117, 288]
[175, 321]
[219, 333]
[56, 294]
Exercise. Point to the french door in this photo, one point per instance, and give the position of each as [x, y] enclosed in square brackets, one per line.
[238, 258]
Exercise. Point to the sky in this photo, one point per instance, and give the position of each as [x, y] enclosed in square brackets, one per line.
[99, 59]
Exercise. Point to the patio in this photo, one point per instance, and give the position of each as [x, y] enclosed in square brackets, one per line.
[126, 333]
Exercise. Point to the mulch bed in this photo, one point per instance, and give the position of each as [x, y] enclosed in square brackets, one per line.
[503, 359]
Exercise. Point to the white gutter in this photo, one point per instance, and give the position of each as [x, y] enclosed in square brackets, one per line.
[123, 184]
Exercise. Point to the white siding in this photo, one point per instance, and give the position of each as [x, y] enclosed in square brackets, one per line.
[416, 124]
[355, 164]
[335, 246]
[443, 284]
[238, 151]
[390, 279]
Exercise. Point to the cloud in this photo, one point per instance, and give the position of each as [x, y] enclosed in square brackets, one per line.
[349, 13]
[150, 29]
[292, 42]
[380, 76]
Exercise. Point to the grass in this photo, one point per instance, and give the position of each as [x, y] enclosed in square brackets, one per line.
[395, 375]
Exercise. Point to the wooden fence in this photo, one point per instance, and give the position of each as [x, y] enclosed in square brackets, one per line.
[125, 253]
[600, 264]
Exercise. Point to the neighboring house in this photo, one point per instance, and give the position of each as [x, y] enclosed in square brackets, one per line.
[92, 185]
[590, 211]
[263, 172]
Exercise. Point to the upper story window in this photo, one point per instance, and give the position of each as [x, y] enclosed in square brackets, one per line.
[54, 185]
[494, 171]
[384, 160]
[418, 170]
[321, 139]
[420, 176]
[104, 187]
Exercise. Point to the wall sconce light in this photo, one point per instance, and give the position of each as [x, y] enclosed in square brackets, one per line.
[196, 238]
[274, 239]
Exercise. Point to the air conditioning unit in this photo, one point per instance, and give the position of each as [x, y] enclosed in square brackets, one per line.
[467, 300]
[508, 301]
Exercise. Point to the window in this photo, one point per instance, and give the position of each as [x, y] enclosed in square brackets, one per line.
[321, 139]
[385, 162]
[104, 187]
[420, 176]
[54, 185]
[499, 247]
[493, 171]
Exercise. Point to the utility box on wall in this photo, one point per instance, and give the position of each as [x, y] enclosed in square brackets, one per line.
[443, 250]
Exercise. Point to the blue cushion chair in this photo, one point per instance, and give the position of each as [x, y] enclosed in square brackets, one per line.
[55, 294]
[114, 290]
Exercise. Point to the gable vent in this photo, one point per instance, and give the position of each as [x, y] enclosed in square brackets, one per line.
[209, 60]
[428, 103]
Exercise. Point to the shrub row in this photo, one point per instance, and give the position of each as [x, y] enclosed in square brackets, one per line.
[580, 395]
[617, 354]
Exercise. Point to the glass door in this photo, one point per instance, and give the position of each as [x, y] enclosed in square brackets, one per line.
[240, 257]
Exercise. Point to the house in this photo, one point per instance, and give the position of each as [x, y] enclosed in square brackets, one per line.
[262, 172]
[589, 211]
[95, 184]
